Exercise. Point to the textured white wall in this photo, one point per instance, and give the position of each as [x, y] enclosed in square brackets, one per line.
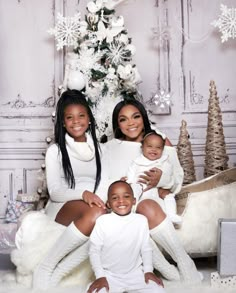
[31, 70]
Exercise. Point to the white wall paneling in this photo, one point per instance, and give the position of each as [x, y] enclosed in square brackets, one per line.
[31, 71]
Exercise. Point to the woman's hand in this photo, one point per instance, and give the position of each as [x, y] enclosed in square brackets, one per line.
[154, 278]
[92, 199]
[150, 178]
[98, 284]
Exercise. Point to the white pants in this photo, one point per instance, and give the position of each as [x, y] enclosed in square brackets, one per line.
[131, 283]
[149, 194]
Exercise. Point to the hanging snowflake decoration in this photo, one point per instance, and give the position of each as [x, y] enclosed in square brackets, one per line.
[160, 103]
[161, 35]
[66, 31]
[226, 23]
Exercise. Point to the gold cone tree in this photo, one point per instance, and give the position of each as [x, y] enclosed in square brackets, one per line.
[216, 157]
[184, 151]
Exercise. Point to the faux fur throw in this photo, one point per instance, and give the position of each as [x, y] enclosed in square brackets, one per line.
[35, 236]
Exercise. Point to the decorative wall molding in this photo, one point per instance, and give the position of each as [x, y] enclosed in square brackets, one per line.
[19, 103]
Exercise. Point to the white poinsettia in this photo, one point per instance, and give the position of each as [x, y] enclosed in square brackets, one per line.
[129, 74]
[89, 59]
[93, 90]
[83, 28]
[112, 80]
[123, 38]
[131, 48]
[107, 33]
[125, 71]
[117, 21]
[94, 7]
[111, 4]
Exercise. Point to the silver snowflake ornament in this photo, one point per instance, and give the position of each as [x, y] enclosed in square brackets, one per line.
[66, 31]
[161, 35]
[226, 23]
[160, 102]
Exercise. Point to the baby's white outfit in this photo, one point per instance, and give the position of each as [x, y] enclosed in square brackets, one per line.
[120, 250]
[137, 168]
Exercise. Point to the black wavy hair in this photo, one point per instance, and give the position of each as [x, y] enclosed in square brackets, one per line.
[74, 97]
[136, 103]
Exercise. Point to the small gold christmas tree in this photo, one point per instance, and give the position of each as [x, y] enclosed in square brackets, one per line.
[216, 158]
[185, 154]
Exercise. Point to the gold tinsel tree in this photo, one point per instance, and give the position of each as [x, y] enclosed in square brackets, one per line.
[185, 154]
[216, 158]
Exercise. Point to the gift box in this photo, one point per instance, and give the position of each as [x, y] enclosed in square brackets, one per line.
[226, 253]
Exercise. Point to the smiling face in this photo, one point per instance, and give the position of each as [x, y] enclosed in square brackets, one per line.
[152, 147]
[130, 122]
[76, 121]
[120, 198]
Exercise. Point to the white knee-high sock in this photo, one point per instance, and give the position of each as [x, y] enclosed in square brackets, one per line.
[164, 234]
[70, 239]
[168, 271]
[69, 263]
[171, 210]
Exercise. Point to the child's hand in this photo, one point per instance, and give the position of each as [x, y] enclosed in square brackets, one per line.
[92, 199]
[154, 278]
[124, 178]
[98, 284]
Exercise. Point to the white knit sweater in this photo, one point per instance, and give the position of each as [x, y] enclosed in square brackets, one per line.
[113, 250]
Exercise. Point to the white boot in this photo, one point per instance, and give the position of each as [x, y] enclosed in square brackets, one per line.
[70, 239]
[69, 263]
[167, 270]
[171, 210]
[164, 234]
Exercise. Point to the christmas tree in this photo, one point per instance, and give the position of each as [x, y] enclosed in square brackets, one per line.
[100, 64]
[216, 158]
[102, 52]
[185, 154]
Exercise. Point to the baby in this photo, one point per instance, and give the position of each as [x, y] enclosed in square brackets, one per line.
[153, 157]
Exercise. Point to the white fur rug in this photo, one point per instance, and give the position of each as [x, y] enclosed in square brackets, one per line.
[8, 283]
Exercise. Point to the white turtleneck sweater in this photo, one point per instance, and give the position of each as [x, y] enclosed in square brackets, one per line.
[84, 168]
[120, 245]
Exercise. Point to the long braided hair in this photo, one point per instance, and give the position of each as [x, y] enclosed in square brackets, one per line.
[74, 97]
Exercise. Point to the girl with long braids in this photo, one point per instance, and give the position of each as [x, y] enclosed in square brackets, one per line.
[73, 171]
